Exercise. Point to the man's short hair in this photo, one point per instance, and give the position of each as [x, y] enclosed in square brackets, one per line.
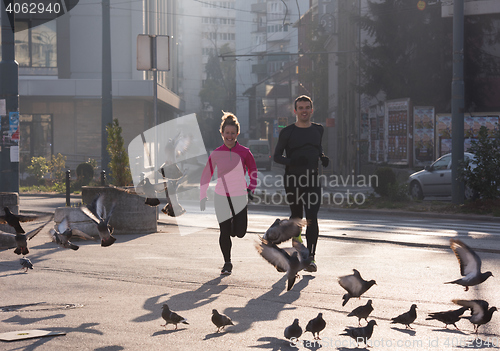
[302, 98]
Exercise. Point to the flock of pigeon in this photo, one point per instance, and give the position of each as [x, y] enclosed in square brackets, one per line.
[292, 260]
[62, 232]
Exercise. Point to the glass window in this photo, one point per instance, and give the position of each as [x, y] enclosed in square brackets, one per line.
[36, 46]
[442, 163]
[35, 137]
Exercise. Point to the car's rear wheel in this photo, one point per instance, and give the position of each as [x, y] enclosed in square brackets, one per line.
[416, 191]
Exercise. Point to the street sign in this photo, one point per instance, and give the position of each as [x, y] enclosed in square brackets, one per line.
[147, 59]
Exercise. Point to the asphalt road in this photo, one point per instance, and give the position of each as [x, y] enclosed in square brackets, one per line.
[110, 298]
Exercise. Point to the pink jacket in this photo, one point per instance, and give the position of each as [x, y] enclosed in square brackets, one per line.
[232, 164]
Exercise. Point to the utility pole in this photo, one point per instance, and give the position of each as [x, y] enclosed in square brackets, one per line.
[457, 103]
[107, 96]
[9, 102]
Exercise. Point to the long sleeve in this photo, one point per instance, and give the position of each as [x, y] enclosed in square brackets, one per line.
[206, 176]
[252, 170]
[280, 148]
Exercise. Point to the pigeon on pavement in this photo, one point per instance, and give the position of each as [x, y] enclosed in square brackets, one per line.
[171, 317]
[480, 312]
[26, 263]
[13, 220]
[362, 333]
[21, 239]
[283, 230]
[355, 285]
[448, 317]
[470, 265]
[362, 312]
[97, 212]
[293, 330]
[220, 320]
[63, 232]
[291, 261]
[407, 318]
[316, 325]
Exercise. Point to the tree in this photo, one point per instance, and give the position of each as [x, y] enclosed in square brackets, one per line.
[484, 178]
[119, 164]
[409, 54]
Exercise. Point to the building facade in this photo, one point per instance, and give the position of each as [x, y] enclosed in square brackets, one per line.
[60, 78]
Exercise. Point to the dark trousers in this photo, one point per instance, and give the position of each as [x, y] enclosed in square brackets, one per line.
[230, 225]
[303, 194]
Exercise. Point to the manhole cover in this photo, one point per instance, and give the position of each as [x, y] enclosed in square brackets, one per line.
[40, 306]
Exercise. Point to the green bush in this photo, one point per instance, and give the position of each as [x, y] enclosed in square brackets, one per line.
[485, 178]
[398, 192]
[38, 168]
[385, 177]
[57, 166]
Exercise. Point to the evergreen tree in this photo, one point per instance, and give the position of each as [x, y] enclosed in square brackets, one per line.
[119, 163]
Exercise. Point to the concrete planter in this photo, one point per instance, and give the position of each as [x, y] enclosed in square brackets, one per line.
[131, 215]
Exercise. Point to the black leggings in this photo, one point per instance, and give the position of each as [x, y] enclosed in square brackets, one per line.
[304, 195]
[230, 225]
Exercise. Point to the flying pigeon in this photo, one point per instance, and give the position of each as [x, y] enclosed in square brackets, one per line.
[480, 312]
[362, 333]
[362, 312]
[175, 148]
[97, 212]
[220, 320]
[293, 330]
[149, 190]
[283, 230]
[169, 186]
[173, 208]
[13, 220]
[355, 285]
[26, 263]
[448, 317]
[63, 233]
[316, 325]
[470, 265]
[407, 318]
[171, 317]
[292, 261]
[21, 239]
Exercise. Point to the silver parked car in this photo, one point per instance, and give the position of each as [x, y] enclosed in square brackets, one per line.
[435, 180]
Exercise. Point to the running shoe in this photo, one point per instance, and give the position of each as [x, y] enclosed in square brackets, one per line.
[226, 270]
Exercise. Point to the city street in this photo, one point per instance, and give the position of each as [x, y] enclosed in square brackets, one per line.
[111, 298]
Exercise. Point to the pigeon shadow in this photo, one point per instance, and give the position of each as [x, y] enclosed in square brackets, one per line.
[452, 331]
[185, 301]
[110, 348]
[276, 344]
[167, 331]
[25, 321]
[215, 335]
[406, 331]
